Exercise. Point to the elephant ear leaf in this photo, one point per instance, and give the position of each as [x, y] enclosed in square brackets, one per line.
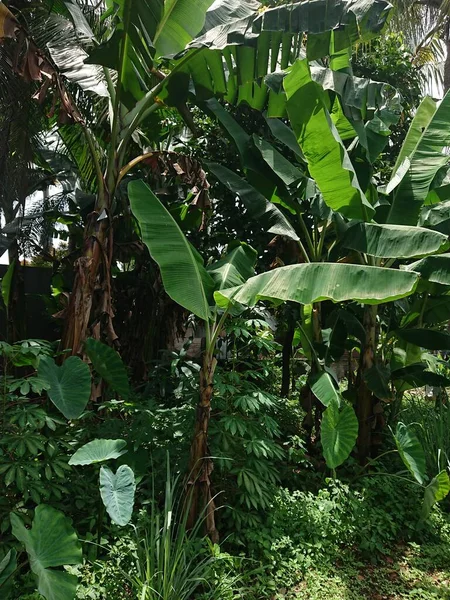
[117, 492]
[436, 490]
[108, 365]
[51, 542]
[339, 431]
[98, 451]
[411, 451]
[68, 386]
[184, 276]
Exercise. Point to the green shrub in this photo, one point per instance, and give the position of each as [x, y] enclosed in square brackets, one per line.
[305, 529]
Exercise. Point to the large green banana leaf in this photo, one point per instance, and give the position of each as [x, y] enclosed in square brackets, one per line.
[180, 22]
[142, 31]
[328, 161]
[393, 241]
[424, 147]
[241, 44]
[435, 269]
[184, 276]
[234, 268]
[314, 282]
[425, 338]
[285, 170]
[256, 154]
[423, 116]
[259, 208]
[437, 216]
[437, 310]
[440, 194]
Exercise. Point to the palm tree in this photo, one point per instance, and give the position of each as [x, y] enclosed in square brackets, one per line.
[426, 27]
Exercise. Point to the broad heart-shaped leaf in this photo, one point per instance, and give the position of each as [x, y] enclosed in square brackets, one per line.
[68, 386]
[117, 492]
[436, 490]
[98, 451]
[324, 389]
[7, 567]
[325, 153]
[338, 432]
[314, 282]
[411, 451]
[108, 365]
[181, 21]
[259, 208]
[393, 241]
[425, 338]
[435, 269]
[234, 268]
[424, 148]
[184, 276]
[51, 542]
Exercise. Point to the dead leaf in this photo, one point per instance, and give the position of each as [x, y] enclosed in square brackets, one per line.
[8, 23]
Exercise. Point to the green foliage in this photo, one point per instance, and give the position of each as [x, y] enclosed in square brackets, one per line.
[108, 365]
[98, 451]
[245, 434]
[339, 431]
[184, 275]
[117, 492]
[68, 386]
[307, 530]
[7, 567]
[436, 490]
[410, 451]
[51, 542]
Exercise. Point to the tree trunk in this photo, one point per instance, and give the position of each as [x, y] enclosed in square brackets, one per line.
[311, 404]
[200, 500]
[447, 63]
[365, 396]
[90, 305]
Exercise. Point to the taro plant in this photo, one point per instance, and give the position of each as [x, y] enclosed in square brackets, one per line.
[51, 542]
[117, 490]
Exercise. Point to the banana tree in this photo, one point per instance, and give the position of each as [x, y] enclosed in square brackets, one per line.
[360, 211]
[189, 283]
[121, 61]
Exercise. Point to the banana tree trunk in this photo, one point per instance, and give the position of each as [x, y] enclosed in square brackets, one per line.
[90, 305]
[200, 499]
[365, 396]
[312, 405]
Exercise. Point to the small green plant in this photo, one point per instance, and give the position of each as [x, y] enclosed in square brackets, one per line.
[172, 562]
